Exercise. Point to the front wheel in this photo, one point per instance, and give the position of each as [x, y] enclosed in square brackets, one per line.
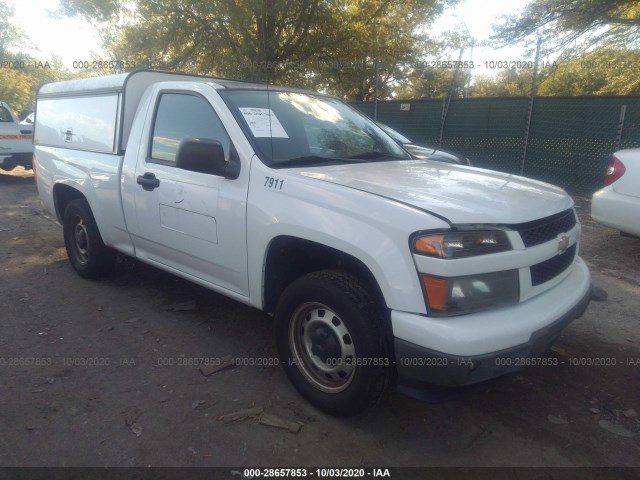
[330, 337]
[88, 254]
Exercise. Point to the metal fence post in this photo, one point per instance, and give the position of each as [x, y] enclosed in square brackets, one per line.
[527, 129]
[375, 93]
[623, 113]
[447, 102]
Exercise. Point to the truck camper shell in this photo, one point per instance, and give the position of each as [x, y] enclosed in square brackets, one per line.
[96, 114]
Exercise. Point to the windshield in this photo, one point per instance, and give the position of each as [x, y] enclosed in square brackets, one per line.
[397, 136]
[299, 129]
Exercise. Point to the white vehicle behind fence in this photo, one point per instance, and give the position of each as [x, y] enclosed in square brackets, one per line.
[16, 146]
[379, 269]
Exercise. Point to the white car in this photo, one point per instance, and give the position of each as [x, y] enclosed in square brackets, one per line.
[617, 205]
[29, 119]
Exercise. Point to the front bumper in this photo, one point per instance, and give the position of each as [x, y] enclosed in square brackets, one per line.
[419, 367]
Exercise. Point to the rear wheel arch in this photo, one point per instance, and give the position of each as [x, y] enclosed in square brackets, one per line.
[88, 254]
[63, 195]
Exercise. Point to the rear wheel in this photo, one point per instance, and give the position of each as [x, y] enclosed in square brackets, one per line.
[330, 337]
[88, 254]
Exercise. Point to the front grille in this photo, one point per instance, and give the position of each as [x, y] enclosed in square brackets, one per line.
[541, 231]
[549, 269]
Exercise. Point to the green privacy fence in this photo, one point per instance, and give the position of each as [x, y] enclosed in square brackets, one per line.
[569, 140]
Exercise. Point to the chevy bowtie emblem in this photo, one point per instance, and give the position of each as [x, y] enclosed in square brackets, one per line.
[563, 244]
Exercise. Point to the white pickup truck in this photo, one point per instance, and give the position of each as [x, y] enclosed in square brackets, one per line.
[379, 269]
[16, 146]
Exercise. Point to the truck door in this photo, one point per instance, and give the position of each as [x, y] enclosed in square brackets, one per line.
[191, 222]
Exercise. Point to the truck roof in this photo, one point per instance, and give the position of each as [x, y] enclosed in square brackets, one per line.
[127, 89]
[122, 94]
[119, 82]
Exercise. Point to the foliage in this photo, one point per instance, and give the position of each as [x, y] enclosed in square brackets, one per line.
[16, 89]
[24, 74]
[601, 72]
[9, 33]
[100, 10]
[579, 24]
[333, 45]
[507, 83]
[386, 46]
[433, 83]
[18, 86]
[604, 71]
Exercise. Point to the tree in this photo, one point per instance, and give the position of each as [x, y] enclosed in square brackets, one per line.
[24, 74]
[507, 83]
[603, 71]
[18, 86]
[100, 10]
[428, 82]
[384, 45]
[600, 72]
[15, 84]
[16, 89]
[8, 32]
[338, 45]
[573, 23]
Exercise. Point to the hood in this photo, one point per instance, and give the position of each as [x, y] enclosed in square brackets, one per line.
[458, 193]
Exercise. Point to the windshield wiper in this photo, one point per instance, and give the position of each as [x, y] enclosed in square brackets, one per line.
[312, 160]
[307, 160]
[372, 154]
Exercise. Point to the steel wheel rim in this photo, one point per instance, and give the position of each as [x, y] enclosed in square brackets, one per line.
[80, 240]
[322, 347]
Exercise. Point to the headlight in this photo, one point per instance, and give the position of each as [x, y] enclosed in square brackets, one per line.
[461, 244]
[471, 293]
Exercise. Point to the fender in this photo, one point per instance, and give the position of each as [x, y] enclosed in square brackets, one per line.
[348, 220]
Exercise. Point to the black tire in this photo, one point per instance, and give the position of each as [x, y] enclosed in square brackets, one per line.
[88, 254]
[331, 342]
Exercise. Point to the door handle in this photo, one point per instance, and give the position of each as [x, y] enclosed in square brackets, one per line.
[148, 181]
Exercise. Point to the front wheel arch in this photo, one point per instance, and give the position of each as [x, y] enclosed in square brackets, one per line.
[289, 258]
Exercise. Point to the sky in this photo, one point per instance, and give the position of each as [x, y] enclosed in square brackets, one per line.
[475, 18]
[69, 38]
[73, 39]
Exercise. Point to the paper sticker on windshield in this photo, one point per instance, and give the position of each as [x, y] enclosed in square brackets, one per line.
[263, 123]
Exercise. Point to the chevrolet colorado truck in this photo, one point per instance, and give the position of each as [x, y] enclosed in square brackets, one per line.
[379, 269]
[15, 141]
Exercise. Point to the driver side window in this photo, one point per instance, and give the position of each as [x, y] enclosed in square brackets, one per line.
[180, 116]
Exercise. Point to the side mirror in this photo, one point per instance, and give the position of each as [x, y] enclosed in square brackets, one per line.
[202, 155]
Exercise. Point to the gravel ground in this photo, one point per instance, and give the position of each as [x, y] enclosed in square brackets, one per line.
[102, 374]
[606, 250]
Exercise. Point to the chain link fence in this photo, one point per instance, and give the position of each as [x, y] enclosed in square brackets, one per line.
[569, 140]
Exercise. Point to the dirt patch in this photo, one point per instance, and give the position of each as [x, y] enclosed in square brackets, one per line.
[606, 249]
[108, 374]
